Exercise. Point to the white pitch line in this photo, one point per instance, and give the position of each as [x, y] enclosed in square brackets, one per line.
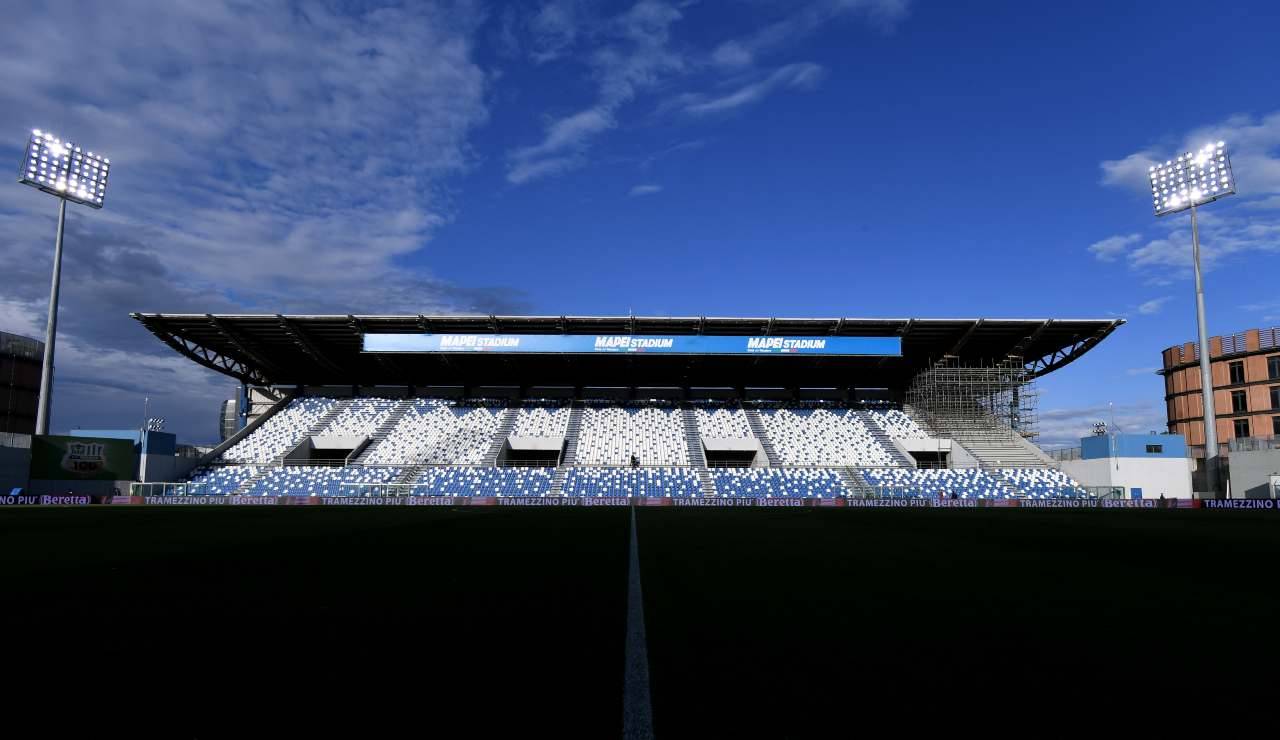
[637, 709]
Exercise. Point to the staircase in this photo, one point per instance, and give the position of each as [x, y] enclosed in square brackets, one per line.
[383, 430]
[505, 425]
[757, 428]
[882, 438]
[1010, 489]
[855, 484]
[410, 474]
[697, 455]
[334, 412]
[247, 483]
[993, 445]
[570, 456]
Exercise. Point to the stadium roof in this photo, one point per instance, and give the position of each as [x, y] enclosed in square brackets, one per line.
[326, 350]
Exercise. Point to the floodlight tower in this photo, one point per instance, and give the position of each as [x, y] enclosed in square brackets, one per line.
[1182, 184]
[61, 169]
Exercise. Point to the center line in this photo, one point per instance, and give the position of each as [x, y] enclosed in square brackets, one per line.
[637, 710]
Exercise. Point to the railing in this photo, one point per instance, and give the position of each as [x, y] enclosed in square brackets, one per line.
[1065, 454]
[11, 439]
[168, 489]
[1254, 444]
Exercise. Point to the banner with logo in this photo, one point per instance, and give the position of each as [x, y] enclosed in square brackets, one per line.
[56, 457]
[630, 343]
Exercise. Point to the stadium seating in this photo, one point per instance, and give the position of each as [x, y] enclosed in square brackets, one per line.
[360, 419]
[722, 422]
[642, 482]
[221, 480]
[439, 432]
[779, 483]
[821, 436]
[611, 434]
[280, 433]
[1043, 482]
[465, 481]
[541, 421]
[898, 425]
[317, 481]
[965, 483]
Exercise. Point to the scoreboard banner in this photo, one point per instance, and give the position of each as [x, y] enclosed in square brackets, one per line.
[585, 344]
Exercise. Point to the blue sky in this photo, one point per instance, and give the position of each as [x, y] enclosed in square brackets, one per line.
[824, 158]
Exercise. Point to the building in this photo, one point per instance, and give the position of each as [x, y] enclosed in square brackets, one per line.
[1142, 465]
[1246, 388]
[20, 361]
[662, 408]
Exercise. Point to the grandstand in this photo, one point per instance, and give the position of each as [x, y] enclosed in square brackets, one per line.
[814, 409]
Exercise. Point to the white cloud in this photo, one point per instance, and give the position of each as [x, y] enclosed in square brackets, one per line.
[635, 57]
[1109, 249]
[554, 28]
[639, 190]
[803, 19]
[266, 157]
[803, 76]
[1065, 427]
[633, 53]
[1153, 306]
[1247, 223]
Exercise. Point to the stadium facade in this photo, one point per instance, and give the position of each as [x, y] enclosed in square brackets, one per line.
[1245, 369]
[668, 408]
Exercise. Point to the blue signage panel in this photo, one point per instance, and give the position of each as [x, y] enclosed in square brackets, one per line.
[629, 343]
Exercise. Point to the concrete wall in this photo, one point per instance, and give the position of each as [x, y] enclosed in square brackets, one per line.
[535, 444]
[1251, 473]
[737, 444]
[1170, 476]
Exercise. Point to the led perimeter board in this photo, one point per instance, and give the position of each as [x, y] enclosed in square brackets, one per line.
[631, 343]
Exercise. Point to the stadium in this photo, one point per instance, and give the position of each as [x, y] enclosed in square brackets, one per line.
[669, 411]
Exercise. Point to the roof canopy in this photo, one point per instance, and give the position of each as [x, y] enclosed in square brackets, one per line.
[326, 350]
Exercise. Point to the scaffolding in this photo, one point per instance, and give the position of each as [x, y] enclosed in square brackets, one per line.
[985, 401]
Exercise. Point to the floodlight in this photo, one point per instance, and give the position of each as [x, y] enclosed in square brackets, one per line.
[1186, 182]
[62, 169]
[1191, 179]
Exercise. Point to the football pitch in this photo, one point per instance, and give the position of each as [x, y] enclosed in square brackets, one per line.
[757, 623]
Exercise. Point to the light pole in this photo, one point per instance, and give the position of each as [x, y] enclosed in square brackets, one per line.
[1190, 181]
[61, 169]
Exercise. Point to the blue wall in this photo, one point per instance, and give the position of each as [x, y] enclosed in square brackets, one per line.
[1132, 445]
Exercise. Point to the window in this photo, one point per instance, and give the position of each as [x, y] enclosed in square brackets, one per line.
[1275, 396]
[1241, 428]
[1238, 402]
[1237, 372]
[1155, 449]
[1273, 367]
[1275, 425]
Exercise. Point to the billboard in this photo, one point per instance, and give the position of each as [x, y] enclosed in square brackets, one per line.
[632, 343]
[61, 458]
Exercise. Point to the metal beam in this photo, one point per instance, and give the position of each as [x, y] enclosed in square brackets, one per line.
[1060, 358]
[234, 338]
[357, 326]
[306, 345]
[964, 338]
[203, 355]
[1022, 345]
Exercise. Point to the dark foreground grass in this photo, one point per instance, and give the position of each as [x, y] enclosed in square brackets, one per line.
[799, 623]
[425, 622]
[479, 620]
